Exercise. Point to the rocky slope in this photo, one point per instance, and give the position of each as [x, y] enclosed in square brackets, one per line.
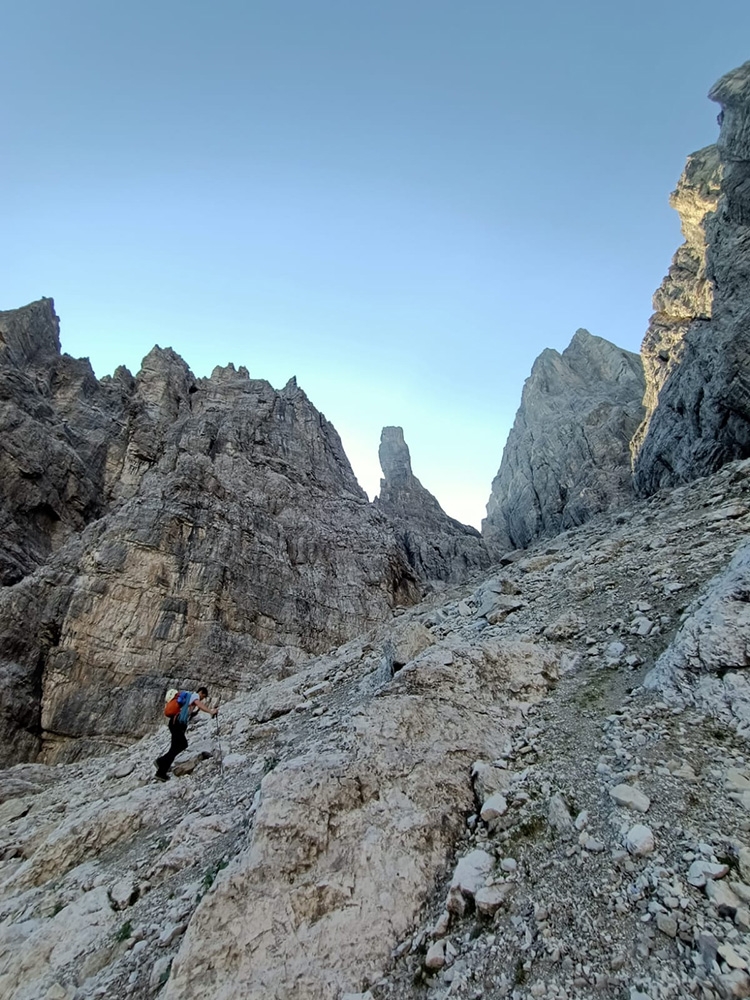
[567, 455]
[438, 547]
[477, 799]
[164, 527]
[703, 416]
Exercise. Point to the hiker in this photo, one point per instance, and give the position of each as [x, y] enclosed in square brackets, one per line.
[195, 702]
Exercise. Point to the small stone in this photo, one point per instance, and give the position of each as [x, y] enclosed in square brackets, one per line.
[631, 798]
[56, 992]
[489, 899]
[666, 924]
[123, 892]
[123, 770]
[731, 957]
[614, 651]
[581, 820]
[170, 934]
[558, 816]
[435, 957]
[495, 806]
[160, 972]
[471, 872]
[591, 844]
[701, 871]
[639, 840]
[509, 864]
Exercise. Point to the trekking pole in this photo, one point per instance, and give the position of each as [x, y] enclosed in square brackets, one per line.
[218, 743]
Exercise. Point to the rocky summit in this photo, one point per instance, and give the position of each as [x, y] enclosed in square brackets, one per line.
[505, 766]
[568, 452]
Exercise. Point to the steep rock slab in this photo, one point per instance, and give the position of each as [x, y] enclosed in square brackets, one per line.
[346, 843]
[567, 456]
[685, 295]
[703, 415]
[437, 546]
[227, 540]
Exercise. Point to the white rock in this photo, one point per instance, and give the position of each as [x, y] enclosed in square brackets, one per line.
[736, 781]
[614, 651]
[731, 957]
[701, 871]
[589, 843]
[558, 816]
[435, 957]
[123, 892]
[495, 806]
[170, 933]
[630, 798]
[639, 840]
[159, 972]
[471, 872]
[489, 899]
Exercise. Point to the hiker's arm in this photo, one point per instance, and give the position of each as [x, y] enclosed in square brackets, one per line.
[206, 708]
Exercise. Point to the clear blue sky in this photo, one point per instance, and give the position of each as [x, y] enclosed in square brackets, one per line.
[401, 202]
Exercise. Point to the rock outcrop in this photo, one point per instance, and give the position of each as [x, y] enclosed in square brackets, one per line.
[438, 547]
[167, 528]
[685, 296]
[707, 663]
[59, 427]
[703, 415]
[567, 456]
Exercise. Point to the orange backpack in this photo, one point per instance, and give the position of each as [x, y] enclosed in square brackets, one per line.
[174, 702]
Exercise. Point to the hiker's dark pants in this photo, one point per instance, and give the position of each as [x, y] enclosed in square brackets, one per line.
[178, 744]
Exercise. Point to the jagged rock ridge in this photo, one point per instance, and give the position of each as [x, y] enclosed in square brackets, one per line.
[438, 547]
[164, 528]
[567, 455]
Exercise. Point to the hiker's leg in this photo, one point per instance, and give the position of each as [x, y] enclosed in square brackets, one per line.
[177, 745]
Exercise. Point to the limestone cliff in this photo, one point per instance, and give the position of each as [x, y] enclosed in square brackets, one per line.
[438, 547]
[167, 528]
[703, 414]
[58, 425]
[685, 296]
[567, 456]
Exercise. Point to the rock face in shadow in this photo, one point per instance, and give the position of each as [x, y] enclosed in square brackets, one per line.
[168, 529]
[703, 414]
[567, 456]
[685, 297]
[438, 547]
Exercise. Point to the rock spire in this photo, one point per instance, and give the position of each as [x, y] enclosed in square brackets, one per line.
[438, 547]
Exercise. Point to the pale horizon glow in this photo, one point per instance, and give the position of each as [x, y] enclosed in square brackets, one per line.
[401, 204]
